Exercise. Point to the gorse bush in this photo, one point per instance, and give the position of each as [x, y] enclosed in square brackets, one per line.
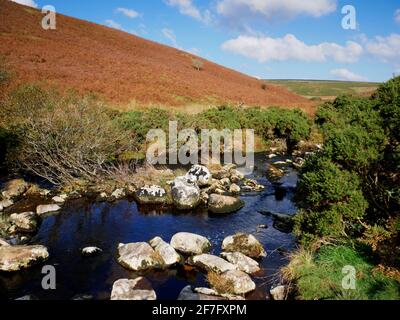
[351, 187]
[291, 125]
[140, 122]
[335, 197]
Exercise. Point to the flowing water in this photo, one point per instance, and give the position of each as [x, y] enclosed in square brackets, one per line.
[82, 223]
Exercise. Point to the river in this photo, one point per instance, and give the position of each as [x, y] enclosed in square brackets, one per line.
[84, 223]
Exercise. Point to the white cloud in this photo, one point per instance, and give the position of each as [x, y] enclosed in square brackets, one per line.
[265, 49]
[29, 3]
[397, 16]
[112, 24]
[274, 9]
[387, 49]
[186, 7]
[170, 35]
[128, 12]
[345, 74]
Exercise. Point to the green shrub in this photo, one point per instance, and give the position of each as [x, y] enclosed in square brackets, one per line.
[333, 200]
[352, 185]
[140, 122]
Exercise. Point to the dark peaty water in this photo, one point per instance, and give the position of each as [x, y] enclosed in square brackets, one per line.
[105, 225]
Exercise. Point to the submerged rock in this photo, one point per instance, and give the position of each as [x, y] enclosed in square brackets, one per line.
[242, 262]
[139, 256]
[283, 222]
[91, 251]
[211, 263]
[252, 185]
[15, 258]
[274, 173]
[24, 222]
[187, 293]
[136, 289]
[232, 282]
[46, 208]
[224, 204]
[28, 297]
[151, 195]
[15, 188]
[185, 194]
[244, 243]
[200, 175]
[278, 293]
[166, 251]
[190, 243]
[212, 292]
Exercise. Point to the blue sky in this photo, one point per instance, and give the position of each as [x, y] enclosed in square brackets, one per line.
[296, 39]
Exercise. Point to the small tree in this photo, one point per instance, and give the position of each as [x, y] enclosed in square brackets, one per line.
[197, 64]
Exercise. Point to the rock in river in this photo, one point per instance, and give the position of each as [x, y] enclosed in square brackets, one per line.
[188, 294]
[234, 188]
[232, 282]
[244, 243]
[14, 258]
[200, 175]
[14, 189]
[136, 289]
[118, 194]
[5, 204]
[151, 195]
[24, 222]
[46, 208]
[190, 243]
[185, 194]
[91, 251]
[224, 204]
[283, 222]
[242, 262]
[211, 263]
[278, 293]
[166, 251]
[139, 256]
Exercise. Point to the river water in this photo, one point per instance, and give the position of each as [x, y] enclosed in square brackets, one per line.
[83, 223]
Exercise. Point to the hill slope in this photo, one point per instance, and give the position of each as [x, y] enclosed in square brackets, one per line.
[121, 67]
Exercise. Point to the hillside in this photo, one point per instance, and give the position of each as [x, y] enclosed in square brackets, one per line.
[121, 67]
[327, 89]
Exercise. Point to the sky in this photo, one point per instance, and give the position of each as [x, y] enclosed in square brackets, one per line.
[268, 39]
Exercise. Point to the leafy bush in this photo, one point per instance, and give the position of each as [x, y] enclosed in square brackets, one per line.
[140, 122]
[333, 199]
[351, 188]
[292, 125]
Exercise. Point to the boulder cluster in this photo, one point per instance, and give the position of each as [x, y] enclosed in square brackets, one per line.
[229, 274]
[217, 189]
